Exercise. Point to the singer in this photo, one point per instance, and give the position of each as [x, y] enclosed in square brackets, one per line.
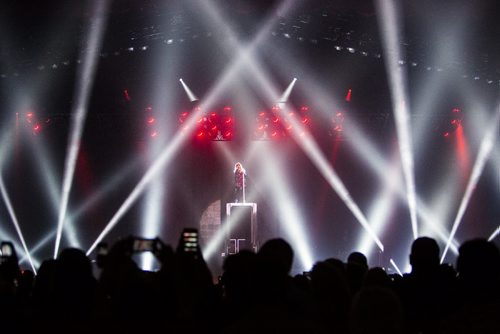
[239, 183]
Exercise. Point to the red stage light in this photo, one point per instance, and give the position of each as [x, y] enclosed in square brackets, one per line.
[37, 128]
[151, 120]
[348, 96]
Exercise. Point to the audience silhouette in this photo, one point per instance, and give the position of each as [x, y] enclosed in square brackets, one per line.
[255, 292]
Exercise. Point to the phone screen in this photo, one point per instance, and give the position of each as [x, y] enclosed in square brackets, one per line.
[6, 250]
[190, 240]
[102, 249]
[144, 245]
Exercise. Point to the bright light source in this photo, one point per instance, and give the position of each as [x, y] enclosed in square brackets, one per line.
[287, 92]
[390, 31]
[83, 89]
[188, 91]
[494, 234]
[311, 149]
[395, 267]
[13, 216]
[484, 153]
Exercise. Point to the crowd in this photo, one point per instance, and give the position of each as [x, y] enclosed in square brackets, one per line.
[256, 293]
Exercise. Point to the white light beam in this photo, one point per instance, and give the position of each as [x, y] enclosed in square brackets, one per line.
[188, 91]
[83, 89]
[391, 42]
[482, 157]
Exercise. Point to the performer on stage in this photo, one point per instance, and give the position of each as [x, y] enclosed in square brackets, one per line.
[239, 183]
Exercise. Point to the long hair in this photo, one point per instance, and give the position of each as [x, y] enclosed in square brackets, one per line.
[242, 169]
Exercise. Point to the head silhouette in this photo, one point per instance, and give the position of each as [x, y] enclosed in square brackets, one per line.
[424, 254]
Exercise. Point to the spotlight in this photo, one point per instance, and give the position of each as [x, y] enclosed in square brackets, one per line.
[37, 128]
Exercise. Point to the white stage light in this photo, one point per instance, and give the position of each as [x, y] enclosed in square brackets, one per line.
[188, 91]
[390, 31]
[83, 89]
[483, 155]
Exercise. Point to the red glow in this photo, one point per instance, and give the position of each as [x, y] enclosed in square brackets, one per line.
[126, 95]
[446, 134]
[29, 117]
[37, 128]
[183, 117]
[227, 108]
[154, 134]
[348, 96]
[304, 108]
[151, 120]
[462, 151]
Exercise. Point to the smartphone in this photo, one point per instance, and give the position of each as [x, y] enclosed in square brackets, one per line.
[143, 245]
[7, 249]
[190, 240]
[102, 248]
